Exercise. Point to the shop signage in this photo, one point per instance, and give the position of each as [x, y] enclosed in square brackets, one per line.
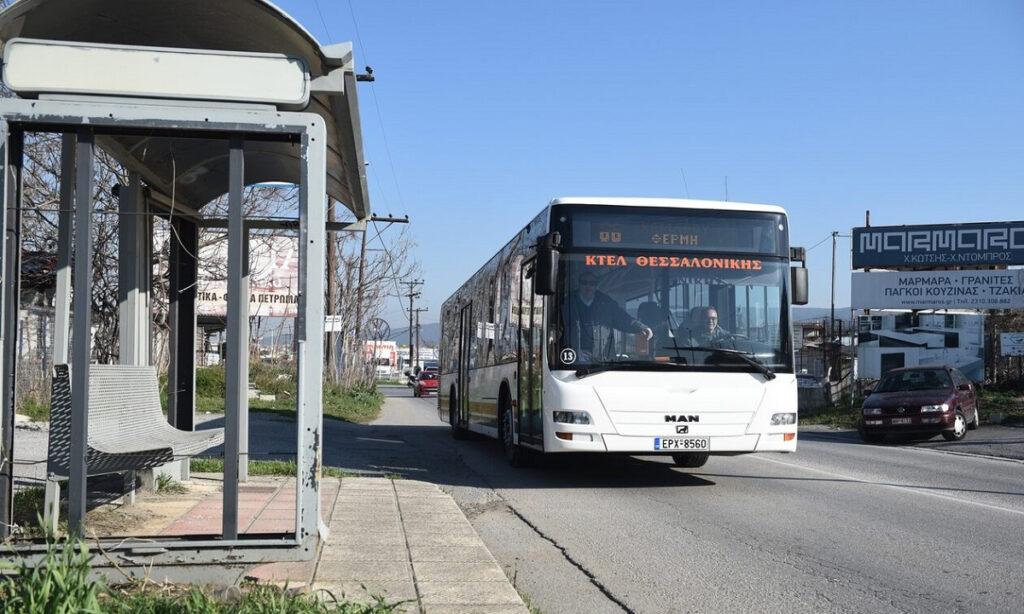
[993, 289]
[939, 246]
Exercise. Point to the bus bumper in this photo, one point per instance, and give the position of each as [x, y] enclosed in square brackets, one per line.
[596, 442]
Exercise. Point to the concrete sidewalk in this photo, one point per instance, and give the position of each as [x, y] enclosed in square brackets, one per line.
[402, 540]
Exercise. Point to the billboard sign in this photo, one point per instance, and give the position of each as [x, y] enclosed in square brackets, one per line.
[1011, 344]
[273, 278]
[939, 245]
[995, 289]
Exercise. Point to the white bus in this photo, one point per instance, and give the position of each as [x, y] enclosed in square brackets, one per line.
[517, 364]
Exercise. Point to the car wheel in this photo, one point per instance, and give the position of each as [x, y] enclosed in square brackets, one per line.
[458, 432]
[975, 423]
[959, 428]
[690, 461]
[514, 453]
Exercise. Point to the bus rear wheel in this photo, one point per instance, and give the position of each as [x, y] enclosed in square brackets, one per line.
[690, 461]
[458, 433]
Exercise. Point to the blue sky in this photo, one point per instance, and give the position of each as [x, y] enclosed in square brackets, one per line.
[482, 112]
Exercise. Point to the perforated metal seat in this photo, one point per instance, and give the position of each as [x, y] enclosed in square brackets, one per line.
[127, 428]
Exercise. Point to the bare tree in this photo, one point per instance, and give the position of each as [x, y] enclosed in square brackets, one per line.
[386, 262]
[39, 229]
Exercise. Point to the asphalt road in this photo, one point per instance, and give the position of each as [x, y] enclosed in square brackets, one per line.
[837, 527]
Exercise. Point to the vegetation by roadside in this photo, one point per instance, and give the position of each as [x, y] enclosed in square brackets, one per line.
[276, 386]
[359, 404]
[261, 467]
[1009, 404]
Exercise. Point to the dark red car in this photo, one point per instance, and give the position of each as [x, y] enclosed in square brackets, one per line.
[425, 384]
[920, 400]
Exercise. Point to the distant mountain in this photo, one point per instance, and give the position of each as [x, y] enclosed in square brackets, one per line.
[806, 314]
[430, 334]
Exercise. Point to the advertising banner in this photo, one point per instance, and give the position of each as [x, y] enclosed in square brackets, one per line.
[948, 245]
[1002, 289]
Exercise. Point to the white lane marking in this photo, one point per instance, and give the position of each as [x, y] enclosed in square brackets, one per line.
[918, 490]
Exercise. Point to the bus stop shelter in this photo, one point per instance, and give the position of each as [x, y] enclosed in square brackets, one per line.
[195, 100]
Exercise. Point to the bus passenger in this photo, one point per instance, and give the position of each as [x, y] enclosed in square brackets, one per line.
[590, 313]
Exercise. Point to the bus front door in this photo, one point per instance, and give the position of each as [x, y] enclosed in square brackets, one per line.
[462, 381]
[531, 338]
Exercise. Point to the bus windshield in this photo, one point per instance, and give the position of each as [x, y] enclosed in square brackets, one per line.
[706, 304]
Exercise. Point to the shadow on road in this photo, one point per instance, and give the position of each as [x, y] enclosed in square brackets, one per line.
[428, 453]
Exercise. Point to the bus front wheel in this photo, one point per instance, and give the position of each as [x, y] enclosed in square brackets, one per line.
[514, 453]
[690, 461]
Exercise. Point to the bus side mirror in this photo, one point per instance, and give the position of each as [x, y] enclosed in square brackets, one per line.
[798, 284]
[545, 277]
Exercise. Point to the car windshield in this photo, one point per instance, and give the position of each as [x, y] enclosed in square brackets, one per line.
[428, 375]
[704, 313]
[906, 381]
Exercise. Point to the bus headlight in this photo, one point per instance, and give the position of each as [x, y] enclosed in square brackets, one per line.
[781, 419]
[571, 417]
[944, 407]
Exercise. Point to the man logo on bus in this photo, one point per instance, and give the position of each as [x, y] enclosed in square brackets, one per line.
[681, 418]
[682, 429]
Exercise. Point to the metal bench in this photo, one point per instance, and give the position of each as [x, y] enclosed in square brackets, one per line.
[127, 430]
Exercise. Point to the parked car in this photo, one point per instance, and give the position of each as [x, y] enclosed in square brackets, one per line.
[426, 384]
[920, 400]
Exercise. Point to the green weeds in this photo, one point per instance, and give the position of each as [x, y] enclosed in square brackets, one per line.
[166, 485]
[59, 583]
[265, 467]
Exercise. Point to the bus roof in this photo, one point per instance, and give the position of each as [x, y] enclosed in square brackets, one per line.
[682, 203]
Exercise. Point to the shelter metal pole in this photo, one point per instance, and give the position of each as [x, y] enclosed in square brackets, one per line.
[182, 319]
[62, 295]
[11, 159]
[243, 410]
[81, 343]
[237, 375]
[133, 291]
[65, 218]
[309, 331]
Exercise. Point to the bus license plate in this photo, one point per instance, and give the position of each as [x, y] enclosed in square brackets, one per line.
[681, 443]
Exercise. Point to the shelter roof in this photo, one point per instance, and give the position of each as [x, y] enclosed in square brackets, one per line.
[222, 25]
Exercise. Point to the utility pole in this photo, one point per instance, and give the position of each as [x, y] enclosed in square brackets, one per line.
[332, 294]
[416, 348]
[832, 320]
[412, 294]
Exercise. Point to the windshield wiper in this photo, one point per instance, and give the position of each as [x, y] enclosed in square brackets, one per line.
[628, 364]
[746, 357]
